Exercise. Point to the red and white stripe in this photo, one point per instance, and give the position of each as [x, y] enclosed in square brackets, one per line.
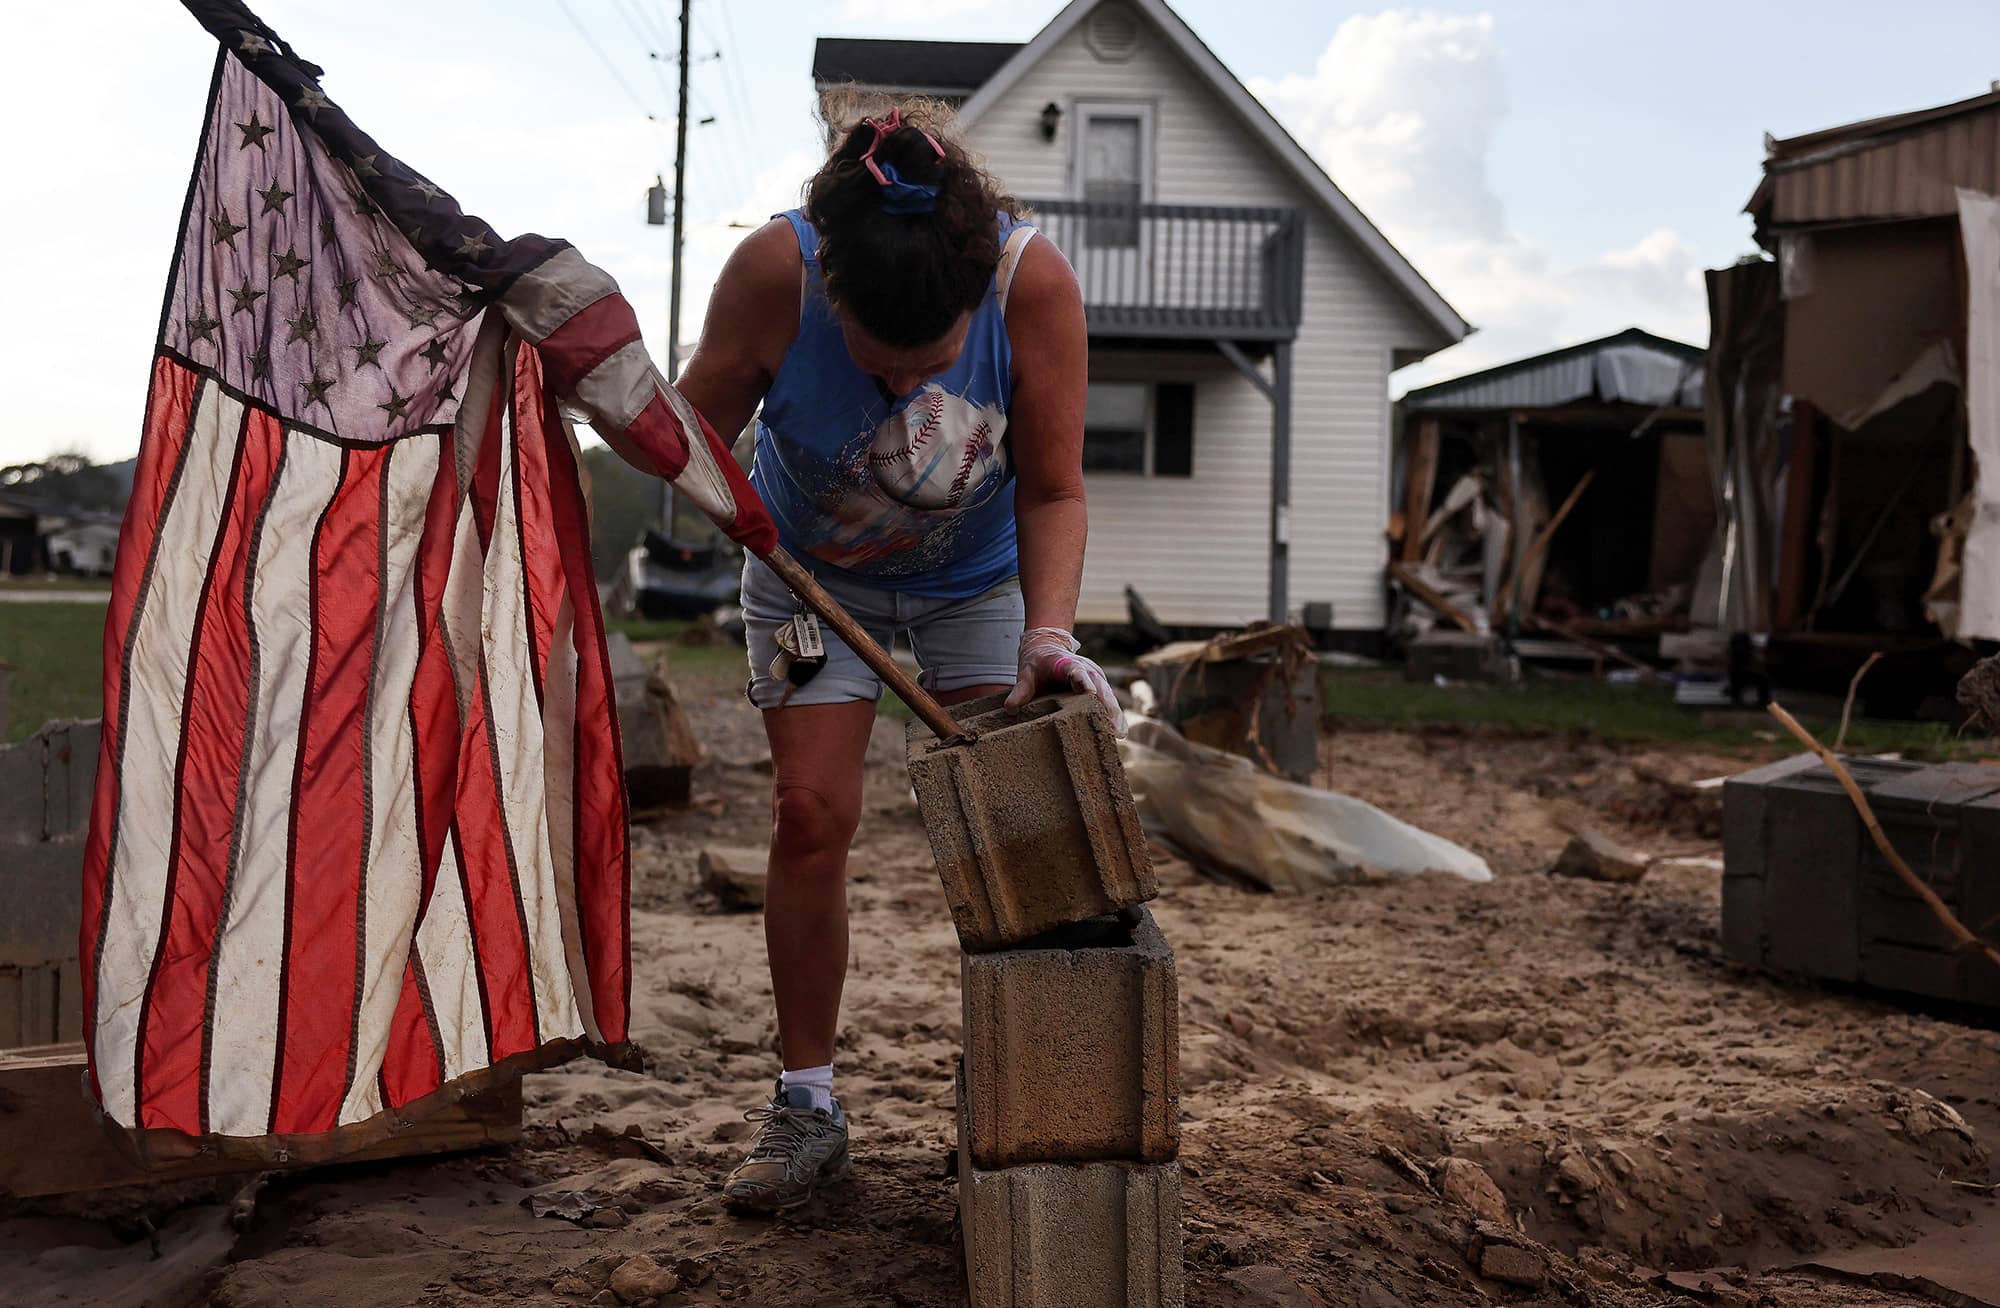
[360, 826]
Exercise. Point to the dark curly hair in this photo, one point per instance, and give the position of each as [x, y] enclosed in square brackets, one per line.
[905, 277]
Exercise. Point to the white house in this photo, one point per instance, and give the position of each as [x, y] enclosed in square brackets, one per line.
[1241, 309]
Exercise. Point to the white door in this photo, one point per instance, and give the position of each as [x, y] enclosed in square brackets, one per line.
[1113, 169]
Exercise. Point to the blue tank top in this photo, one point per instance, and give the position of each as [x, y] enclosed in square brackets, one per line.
[912, 494]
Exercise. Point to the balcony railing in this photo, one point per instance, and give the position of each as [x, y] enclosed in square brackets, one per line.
[1181, 270]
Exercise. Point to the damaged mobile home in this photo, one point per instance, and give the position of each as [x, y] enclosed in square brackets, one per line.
[1853, 400]
[1595, 453]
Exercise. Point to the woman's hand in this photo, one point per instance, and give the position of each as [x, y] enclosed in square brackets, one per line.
[1049, 661]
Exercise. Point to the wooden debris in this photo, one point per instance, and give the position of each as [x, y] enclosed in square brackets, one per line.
[1597, 647]
[1527, 575]
[1408, 579]
[1979, 694]
[51, 1141]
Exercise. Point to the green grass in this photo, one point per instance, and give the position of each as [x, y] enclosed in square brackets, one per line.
[46, 582]
[711, 666]
[54, 650]
[1584, 706]
[640, 630]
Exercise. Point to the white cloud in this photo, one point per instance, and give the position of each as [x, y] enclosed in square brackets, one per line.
[1401, 108]
[913, 11]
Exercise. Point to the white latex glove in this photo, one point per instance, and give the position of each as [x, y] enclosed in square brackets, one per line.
[1049, 661]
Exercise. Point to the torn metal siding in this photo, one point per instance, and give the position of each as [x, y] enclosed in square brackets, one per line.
[1633, 367]
[1979, 613]
[1907, 166]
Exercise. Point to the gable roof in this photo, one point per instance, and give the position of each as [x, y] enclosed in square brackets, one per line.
[912, 67]
[1628, 367]
[1252, 113]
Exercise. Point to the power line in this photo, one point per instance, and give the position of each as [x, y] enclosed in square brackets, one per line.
[733, 74]
[742, 122]
[640, 20]
[609, 66]
[732, 155]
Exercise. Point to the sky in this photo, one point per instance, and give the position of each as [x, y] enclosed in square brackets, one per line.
[1557, 169]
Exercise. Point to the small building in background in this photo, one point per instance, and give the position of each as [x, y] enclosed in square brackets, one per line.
[83, 547]
[1244, 315]
[1602, 440]
[1854, 400]
[20, 537]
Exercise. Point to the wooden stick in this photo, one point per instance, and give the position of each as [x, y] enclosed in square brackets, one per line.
[814, 596]
[1918, 886]
[1539, 547]
[1603, 649]
[1847, 709]
[1424, 591]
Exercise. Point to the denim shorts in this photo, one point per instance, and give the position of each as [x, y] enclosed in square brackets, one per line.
[958, 642]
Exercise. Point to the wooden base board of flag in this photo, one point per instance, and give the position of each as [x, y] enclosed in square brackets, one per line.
[52, 1141]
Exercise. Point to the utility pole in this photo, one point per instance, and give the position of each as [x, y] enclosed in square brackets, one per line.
[680, 188]
[674, 291]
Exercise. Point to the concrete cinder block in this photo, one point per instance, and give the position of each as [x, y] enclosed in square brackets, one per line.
[21, 814]
[40, 1004]
[1070, 1235]
[69, 775]
[41, 900]
[657, 746]
[1032, 824]
[1072, 1046]
[46, 781]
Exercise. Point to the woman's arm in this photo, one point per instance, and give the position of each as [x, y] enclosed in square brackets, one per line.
[753, 314]
[1045, 427]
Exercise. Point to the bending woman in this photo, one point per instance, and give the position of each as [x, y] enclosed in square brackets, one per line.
[921, 358]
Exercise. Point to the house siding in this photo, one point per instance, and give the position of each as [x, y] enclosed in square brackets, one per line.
[1197, 548]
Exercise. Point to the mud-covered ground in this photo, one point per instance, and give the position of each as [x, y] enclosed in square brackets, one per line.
[1655, 1119]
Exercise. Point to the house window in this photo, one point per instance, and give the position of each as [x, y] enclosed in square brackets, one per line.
[1113, 163]
[1139, 427]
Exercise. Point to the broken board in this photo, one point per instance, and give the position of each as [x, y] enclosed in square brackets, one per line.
[51, 1141]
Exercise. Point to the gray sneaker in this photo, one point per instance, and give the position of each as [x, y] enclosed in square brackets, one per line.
[797, 1147]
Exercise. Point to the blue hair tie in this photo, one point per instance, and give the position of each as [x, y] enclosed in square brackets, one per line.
[899, 196]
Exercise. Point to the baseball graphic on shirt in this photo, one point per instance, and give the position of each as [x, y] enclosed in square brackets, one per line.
[939, 452]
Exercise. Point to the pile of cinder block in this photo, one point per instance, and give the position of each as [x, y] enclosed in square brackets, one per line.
[45, 788]
[1805, 889]
[1069, 1094]
[658, 746]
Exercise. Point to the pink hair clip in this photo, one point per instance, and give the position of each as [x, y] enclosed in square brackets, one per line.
[886, 127]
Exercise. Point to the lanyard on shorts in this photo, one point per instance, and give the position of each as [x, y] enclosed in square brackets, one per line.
[801, 650]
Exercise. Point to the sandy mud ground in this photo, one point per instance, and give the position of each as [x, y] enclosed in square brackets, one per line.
[1662, 1126]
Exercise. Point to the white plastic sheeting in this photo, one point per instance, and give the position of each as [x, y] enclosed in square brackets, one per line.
[1979, 591]
[1228, 816]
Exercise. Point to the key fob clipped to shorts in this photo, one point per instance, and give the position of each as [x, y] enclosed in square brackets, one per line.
[801, 650]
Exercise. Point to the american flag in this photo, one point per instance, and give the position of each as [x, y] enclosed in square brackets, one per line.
[360, 830]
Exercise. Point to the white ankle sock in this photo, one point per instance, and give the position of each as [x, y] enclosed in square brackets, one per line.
[818, 1082]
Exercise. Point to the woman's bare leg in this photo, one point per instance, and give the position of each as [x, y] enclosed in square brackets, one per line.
[817, 753]
[816, 760]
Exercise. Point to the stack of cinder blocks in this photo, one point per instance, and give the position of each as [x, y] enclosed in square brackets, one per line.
[1069, 1096]
[45, 788]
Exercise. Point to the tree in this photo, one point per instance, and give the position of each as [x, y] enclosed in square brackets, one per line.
[66, 479]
